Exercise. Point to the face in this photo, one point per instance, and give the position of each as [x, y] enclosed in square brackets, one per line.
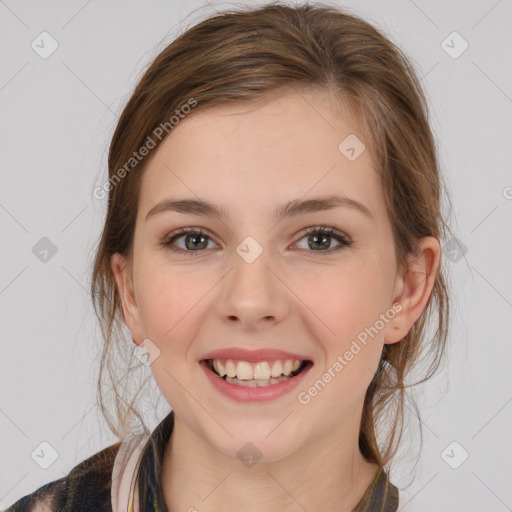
[251, 279]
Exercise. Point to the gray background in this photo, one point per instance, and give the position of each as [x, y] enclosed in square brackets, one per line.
[58, 115]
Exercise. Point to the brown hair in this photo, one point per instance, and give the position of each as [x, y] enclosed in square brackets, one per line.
[243, 55]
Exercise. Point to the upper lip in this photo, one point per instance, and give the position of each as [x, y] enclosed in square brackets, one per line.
[243, 354]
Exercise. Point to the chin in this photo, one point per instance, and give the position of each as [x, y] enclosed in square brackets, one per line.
[250, 446]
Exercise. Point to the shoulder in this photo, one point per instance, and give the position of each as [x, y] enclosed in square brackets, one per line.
[86, 487]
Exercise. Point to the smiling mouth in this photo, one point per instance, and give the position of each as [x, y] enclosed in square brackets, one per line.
[256, 379]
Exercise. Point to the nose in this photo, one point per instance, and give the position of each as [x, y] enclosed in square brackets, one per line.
[253, 294]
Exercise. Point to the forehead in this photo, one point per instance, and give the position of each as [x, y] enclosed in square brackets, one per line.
[258, 155]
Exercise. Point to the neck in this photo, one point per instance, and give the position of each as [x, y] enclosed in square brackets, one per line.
[329, 474]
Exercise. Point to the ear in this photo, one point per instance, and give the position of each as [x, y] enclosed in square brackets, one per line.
[413, 290]
[123, 275]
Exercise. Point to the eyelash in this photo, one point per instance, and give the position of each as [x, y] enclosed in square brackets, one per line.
[344, 241]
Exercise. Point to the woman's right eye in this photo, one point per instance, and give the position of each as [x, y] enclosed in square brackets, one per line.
[195, 239]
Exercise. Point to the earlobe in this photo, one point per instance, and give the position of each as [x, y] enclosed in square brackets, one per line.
[415, 288]
[121, 271]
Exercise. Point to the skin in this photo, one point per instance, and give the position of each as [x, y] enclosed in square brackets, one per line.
[251, 159]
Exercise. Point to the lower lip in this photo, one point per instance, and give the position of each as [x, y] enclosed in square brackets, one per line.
[257, 394]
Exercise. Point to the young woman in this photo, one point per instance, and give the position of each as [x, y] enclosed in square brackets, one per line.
[272, 240]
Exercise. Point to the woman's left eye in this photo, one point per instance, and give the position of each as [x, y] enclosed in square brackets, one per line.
[321, 236]
[196, 239]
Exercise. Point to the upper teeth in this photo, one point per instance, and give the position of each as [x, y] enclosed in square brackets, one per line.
[261, 370]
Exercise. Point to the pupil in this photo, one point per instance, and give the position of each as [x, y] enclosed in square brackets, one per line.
[324, 239]
[194, 237]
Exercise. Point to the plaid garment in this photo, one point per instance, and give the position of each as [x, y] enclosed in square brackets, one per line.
[88, 486]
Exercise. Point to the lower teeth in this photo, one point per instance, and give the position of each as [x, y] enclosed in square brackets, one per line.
[255, 383]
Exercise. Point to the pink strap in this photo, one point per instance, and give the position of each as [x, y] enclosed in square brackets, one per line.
[124, 491]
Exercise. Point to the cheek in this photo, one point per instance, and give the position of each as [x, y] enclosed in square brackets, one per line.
[169, 300]
[350, 303]
[350, 336]
[170, 307]
[348, 297]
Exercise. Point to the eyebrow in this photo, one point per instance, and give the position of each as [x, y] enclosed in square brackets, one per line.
[292, 208]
